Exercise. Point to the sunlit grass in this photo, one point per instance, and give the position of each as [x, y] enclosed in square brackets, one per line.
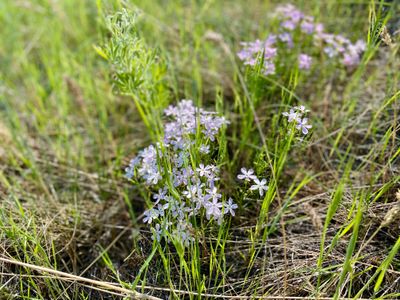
[78, 99]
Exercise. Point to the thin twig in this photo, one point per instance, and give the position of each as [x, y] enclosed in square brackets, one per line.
[63, 275]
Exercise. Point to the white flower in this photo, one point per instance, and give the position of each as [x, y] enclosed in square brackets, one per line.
[203, 170]
[246, 174]
[260, 186]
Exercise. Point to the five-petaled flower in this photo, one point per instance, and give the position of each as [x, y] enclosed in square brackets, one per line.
[260, 186]
[303, 125]
[230, 207]
[246, 175]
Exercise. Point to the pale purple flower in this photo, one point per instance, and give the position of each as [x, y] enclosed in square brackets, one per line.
[191, 192]
[196, 189]
[129, 172]
[304, 61]
[289, 25]
[244, 54]
[330, 51]
[150, 215]
[205, 149]
[271, 40]
[213, 194]
[270, 52]
[268, 68]
[360, 46]
[286, 38]
[213, 209]
[303, 126]
[260, 186]
[351, 59]
[246, 175]
[291, 115]
[152, 178]
[319, 28]
[251, 62]
[204, 171]
[307, 26]
[295, 15]
[162, 193]
[171, 111]
[230, 207]
[157, 233]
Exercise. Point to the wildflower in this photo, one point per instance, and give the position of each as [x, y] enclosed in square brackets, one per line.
[246, 175]
[191, 192]
[157, 233]
[204, 171]
[319, 28]
[301, 109]
[161, 208]
[153, 177]
[171, 111]
[182, 233]
[291, 115]
[150, 215]
[271, 40]
[350, 59]
[196, 188]
[289, 25]
[304, 61]
[303, 126]
[213, 209]
[213, 194]
[268, 68]
[260, 186]
[160, 195]
[129, 172]
[230, 207]
[244, 54]
[205, 149]
[269, 52]
[331, 52]
[307, 26]
[286, 38]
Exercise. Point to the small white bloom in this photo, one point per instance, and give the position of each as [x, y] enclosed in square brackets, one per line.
[246, 175]
[260, 186]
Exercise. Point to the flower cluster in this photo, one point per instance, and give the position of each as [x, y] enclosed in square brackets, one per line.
[293, 20]
[248, 176]
[186, 188]
[252, 51]
[296, 115]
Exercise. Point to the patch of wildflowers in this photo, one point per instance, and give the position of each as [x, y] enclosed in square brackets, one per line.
[293, 20]
[195, 184]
